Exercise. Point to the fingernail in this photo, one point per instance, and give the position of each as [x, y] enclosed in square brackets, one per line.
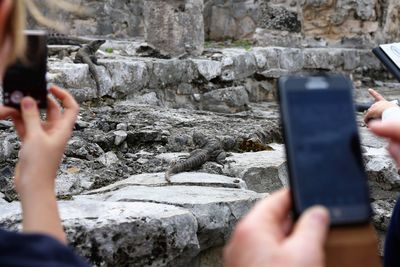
[28, 103]
[319, 215]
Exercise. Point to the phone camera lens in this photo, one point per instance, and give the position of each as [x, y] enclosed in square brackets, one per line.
[16, 97]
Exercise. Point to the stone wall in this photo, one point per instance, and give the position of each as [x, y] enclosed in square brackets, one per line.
[230, 19]
[113, 18]
[347, 23]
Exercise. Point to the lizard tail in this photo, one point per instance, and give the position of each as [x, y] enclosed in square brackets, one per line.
[169, 172]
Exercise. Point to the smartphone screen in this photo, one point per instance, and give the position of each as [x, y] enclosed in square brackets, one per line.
[27, 77]
[323, 147]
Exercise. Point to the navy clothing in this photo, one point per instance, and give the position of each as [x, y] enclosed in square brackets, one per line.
[35, 250]
[392, 242]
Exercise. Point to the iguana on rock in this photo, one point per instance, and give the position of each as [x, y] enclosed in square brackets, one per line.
[62, 39]
[210, 149]
[87, 54]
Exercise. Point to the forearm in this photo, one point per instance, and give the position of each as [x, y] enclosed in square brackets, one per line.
[40, 213]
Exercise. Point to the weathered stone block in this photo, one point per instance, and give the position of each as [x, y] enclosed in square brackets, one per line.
[113, 18]
[185, 178]
[222, 24]
[175, 28]
[278, 17]
[226, 100]
[171, 72]
[381, 168]
[263, 171]
[241, 64]
[209, 69]
[216, 209]
[323, 58]
[128, 76]
[132, 234]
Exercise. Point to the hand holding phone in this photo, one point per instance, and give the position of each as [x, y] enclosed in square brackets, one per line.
[323, 147]
[27, 77]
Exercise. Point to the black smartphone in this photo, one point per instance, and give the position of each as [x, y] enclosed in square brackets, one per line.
[323, 147]
[27, 76]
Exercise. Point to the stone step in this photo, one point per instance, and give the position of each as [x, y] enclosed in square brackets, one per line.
[185, 178]
[195, 82]
[123, 233]
[263, 171]
[142, 220]
[216, 209]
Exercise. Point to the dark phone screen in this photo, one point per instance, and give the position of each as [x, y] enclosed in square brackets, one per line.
[324, 153]
[27, 77]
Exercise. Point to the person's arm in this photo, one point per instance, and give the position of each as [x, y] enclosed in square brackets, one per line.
[41, 152]
[267, 237]
[379, 108]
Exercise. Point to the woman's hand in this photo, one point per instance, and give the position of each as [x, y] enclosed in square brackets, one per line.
[265, 237]
[380, 105]
[43, 144]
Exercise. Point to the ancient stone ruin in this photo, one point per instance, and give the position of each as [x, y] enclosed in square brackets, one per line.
[171, 69]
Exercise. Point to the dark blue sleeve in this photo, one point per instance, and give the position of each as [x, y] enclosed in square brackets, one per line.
[392, 241]
[35, 250]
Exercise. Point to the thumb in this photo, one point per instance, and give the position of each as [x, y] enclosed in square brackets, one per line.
[30, 114]
[312, 226]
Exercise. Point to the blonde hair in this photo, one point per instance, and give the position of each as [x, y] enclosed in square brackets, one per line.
[17, 22]
[14, 29]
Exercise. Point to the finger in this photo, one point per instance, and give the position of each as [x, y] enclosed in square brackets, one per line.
[53, 109]
[377, 96]
[71, 107]
[271, 214]
[394, 150]
[312, 226]
[388, 129]
[6, 112]
[19, 126]
[30, 114]
[370, 115]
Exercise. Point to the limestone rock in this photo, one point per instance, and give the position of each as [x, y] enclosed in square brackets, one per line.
[278, 18]
[382, 213]
[108, 158]
[185, 178]
[171, 72]
[216, 209]
[382, 169]
[263, 171]
[134, 233]
[120, 137]
[128, 76]
[369, 139]
[226, 100]
[175, 28]
[73, 178]
[117, 18]
[209, 69]
[241, 64]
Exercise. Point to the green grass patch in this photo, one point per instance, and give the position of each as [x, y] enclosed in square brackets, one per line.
[109, 50]
[246, 44]
[243, 43]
